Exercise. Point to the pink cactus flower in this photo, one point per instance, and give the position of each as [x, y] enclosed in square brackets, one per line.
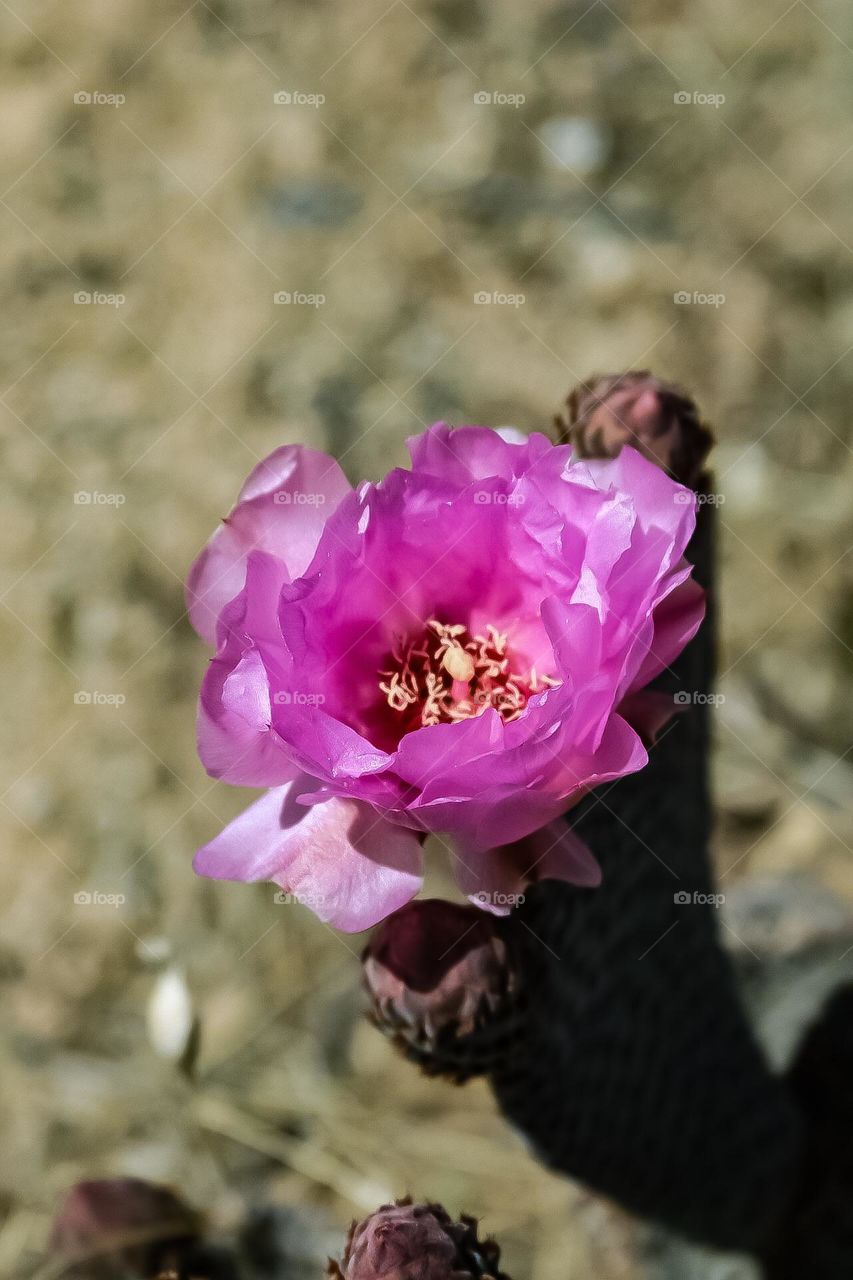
[459, 649]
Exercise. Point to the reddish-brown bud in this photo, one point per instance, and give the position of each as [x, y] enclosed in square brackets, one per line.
[406, 1241]
[119, 1227]
[611, 410]
[443, 986]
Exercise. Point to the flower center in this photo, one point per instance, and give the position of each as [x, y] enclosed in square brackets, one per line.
[447, 675]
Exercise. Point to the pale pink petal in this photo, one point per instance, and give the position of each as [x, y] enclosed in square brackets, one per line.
[556, 853]
[496, 879]
[648, 711]
[462, 454]
[282, 509]
[676, 620]
[659, 502]
[235, 740]
[348, 864]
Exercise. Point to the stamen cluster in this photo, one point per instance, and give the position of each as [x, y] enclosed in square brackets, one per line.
[447, 674]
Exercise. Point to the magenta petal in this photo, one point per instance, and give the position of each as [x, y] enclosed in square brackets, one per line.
[235, 740]
[462, 454]
[496, 879]
[676, 619]
[348, 864]
[556, 853]
[282, 509]
[659, 502]
[491, 878]
[248, 848]
[648, 712]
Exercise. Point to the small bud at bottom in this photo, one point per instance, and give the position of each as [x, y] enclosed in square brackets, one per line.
[122, 1227]
[406, 1241]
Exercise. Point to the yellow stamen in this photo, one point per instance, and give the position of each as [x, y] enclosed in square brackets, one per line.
[447, 674]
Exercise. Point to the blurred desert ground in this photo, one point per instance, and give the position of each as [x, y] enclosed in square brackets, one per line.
[398, 199]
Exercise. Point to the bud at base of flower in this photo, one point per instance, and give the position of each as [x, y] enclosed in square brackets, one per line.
[443, 987]
[407, 1241]
[635, 408]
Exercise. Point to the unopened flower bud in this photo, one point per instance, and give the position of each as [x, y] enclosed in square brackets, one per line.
[443, 986]
[406, 1241]
[120, 1227]
[658, 419]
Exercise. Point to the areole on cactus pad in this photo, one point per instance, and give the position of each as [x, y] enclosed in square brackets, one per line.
[460, 649]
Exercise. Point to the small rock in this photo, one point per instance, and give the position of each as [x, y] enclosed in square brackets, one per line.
[575, 143]
[171, 1021]
[314, 204]
[776, 916]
